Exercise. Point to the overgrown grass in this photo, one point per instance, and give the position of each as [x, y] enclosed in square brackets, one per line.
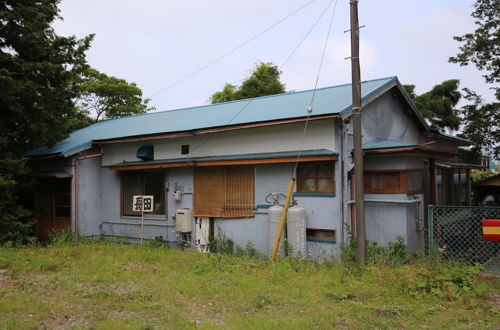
[109, 285]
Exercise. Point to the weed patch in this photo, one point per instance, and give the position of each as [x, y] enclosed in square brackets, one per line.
[109, 285]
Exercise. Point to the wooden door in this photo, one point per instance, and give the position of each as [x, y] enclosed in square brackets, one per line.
[52, 206]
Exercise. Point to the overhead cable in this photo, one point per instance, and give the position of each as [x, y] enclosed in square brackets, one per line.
[232, 50]
[309, 108]
[306, 35]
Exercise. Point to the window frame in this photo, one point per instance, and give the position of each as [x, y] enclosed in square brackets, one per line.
[316, 177]
[147, 215]
[317, 237]
[403, 182]
[53, 184]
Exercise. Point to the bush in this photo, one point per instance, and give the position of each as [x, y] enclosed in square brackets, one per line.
[221, 243]
[394, 254]
[448, 279]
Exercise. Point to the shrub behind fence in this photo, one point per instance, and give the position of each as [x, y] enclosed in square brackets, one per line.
[457, 233]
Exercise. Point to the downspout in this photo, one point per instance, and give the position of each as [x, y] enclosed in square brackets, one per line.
[342, 180]
[77, 179]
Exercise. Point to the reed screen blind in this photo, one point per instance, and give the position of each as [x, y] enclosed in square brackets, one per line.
[224, 191]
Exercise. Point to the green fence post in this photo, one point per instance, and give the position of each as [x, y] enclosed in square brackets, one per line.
[432, 244]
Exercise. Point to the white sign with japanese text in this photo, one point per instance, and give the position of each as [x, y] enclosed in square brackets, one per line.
[138, 201]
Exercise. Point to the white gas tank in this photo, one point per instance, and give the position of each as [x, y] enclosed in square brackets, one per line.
[274, 216]
[296, 231]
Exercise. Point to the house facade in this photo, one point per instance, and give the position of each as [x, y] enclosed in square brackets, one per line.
[227, 163]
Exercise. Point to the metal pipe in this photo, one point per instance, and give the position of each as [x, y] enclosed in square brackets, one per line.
[137, 224]
[388, 201]
[77, 179]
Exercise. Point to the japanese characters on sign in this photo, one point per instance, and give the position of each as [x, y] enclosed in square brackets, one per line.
[138, 201]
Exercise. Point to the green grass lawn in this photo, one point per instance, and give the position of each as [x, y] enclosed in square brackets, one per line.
[109, 285]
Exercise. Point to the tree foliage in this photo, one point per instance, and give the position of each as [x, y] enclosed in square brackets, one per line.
[481, 125]
[37, 74]
[438, 105]
[102, 97]
[482, 47]
[264, 80]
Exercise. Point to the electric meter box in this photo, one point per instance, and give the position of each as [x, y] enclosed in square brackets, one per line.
[183, 220]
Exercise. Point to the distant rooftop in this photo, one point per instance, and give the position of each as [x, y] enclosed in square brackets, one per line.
[328, 100]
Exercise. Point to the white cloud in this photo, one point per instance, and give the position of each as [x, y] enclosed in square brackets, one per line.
[155, 43]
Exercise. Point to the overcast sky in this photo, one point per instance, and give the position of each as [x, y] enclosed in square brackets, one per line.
[154, 43]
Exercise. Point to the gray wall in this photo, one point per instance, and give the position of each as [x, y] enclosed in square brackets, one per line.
[322, 212]
[90, 201]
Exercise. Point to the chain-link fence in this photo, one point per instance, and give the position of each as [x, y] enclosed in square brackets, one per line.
[457, 233]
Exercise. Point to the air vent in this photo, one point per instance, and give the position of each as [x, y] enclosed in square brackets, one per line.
[146, 153]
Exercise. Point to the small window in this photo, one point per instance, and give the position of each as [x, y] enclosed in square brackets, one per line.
[393, 182]
[143, 183]
[316, 177]
[53, 199]
[321, 235]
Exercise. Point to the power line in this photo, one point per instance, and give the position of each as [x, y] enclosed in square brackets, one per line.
[232, 50]
[309, 108]
[306, 35]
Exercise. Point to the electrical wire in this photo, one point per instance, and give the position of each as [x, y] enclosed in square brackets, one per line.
[288, 58]
[232, 50]
[306, 35]
[309, 110]
[229, 122]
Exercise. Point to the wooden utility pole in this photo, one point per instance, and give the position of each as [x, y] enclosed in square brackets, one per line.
[356, 123]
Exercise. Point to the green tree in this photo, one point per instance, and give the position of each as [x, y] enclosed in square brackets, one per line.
[264, 80]
[438, 105]
[227, 94]
[482, 47]
[481, 125]
[102, 97]
[37, 73]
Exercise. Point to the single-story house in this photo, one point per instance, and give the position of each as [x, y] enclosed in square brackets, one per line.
[223, 162]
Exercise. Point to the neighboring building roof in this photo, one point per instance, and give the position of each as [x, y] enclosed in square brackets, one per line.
[381, 143]
[328, 100]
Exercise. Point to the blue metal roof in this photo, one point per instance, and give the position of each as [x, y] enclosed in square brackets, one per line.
[328, 100]
[381, 143]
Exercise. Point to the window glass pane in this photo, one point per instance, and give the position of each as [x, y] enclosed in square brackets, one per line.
[155, 186]
[414, 181]
[325, 169]
[143, 183]
[63, 212]
[63, 200]
[45, 204]
[63, 186]
[306, 169]
[323, 235]
[307, 185]
[325, 185]
[381, 182]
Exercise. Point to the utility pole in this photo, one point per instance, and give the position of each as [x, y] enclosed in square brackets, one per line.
[356, 123]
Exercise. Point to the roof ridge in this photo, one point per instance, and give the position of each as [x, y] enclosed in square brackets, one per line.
[242, 100]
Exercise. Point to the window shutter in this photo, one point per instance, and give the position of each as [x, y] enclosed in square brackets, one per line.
[208, 191]
[239, 192]
[224, 191]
